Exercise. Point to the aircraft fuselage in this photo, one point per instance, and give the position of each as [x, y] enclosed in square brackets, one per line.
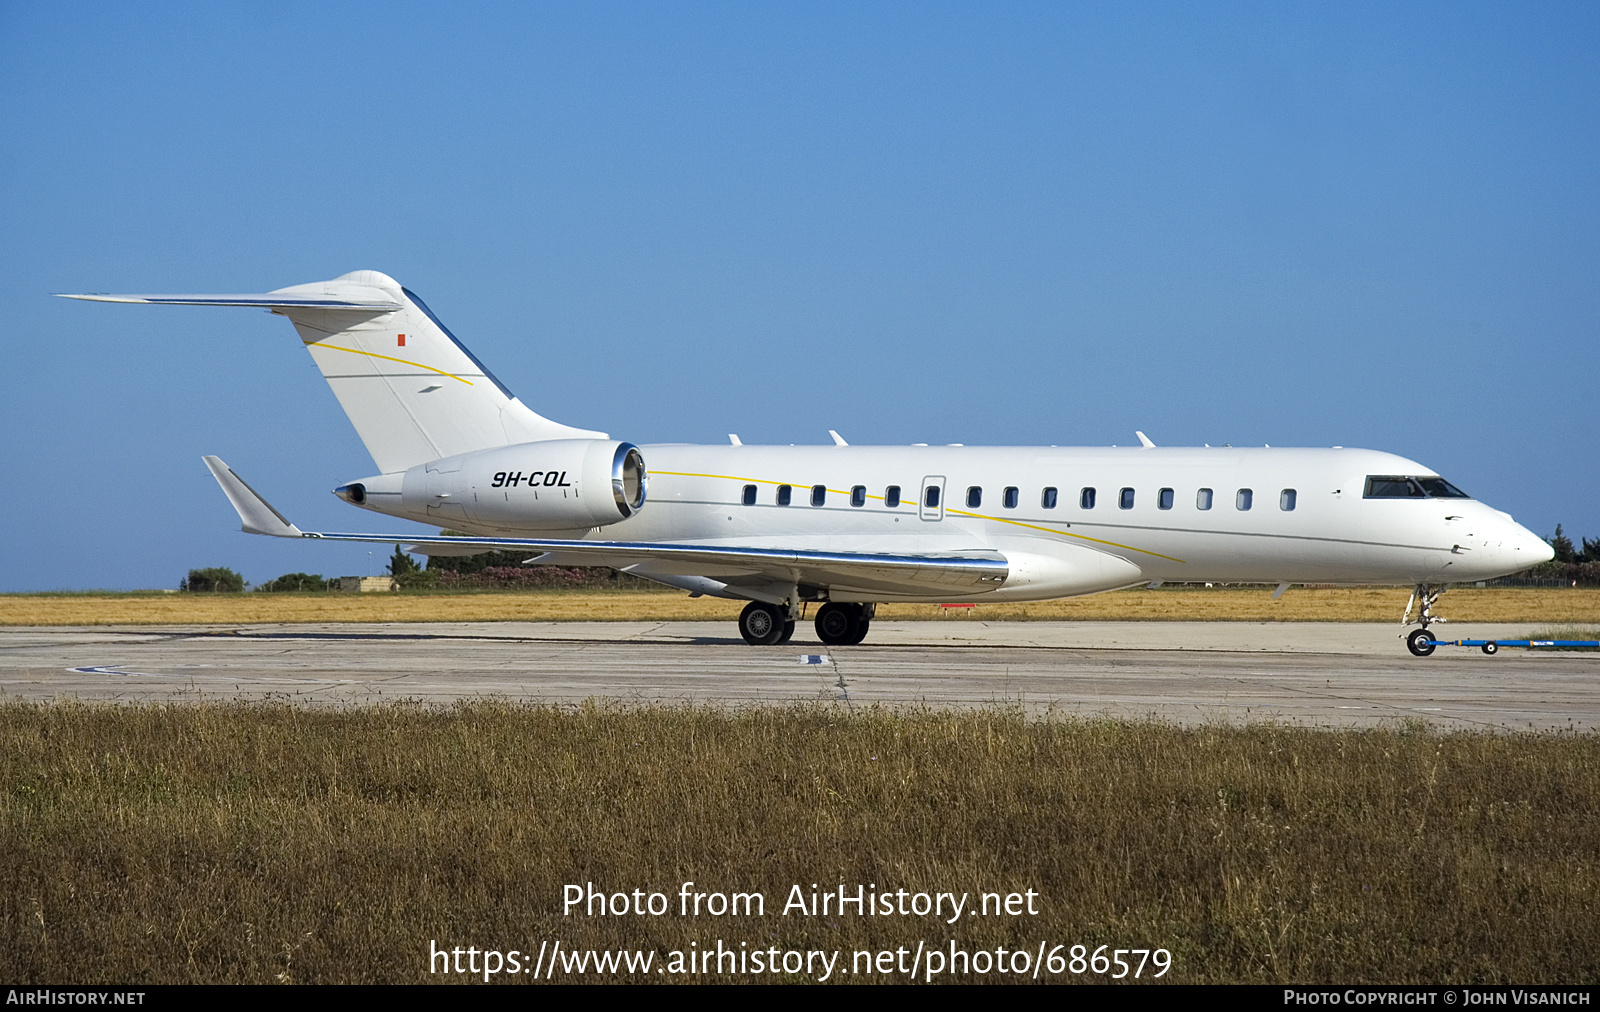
[1118, 516]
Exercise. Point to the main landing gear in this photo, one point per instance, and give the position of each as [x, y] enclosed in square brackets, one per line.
[1421, 642]
[841, 625]
[763, 624]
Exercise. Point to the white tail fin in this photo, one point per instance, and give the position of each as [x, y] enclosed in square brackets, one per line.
[413, 392]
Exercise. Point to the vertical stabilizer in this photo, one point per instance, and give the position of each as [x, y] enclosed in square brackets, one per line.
[413, 392]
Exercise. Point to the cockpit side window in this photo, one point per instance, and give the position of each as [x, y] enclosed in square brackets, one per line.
[1391, 486]
[1399, 486]
[1438, 488]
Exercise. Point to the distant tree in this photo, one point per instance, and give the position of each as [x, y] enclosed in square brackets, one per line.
[1562, 546]
[407, 574]
[507, 569]
[291, 582]
[401, 564]
[212, 581]
[1591, 551]
[464, 564]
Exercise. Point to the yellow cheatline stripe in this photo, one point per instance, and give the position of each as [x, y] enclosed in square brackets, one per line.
[1068, 534]
[964, 513]
[729, 477]
[390, 358]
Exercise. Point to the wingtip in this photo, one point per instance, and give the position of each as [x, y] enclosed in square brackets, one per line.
[256, 515]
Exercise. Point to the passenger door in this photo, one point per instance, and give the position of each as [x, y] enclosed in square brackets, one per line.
[930, 504]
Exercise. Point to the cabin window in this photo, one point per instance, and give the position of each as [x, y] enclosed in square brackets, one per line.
[819, 494]
[784, 492]
[749, 495]
[1125, 499]
[858, 495]
[1286, 499]
[891, 496]
[1048, 499]
[930, 498]
[1010, 497]
[1245, 499]
[1202, 499]
[1164, 499]
[1086, 499]
[974, 497]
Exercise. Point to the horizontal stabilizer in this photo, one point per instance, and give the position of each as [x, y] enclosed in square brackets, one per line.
[267, 300]
[256, 514]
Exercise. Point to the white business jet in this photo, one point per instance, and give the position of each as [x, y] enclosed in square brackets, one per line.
[846, 526]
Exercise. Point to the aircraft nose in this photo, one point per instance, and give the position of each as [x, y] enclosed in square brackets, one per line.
[1537, 549]
[1527, 548]
[1507, 548]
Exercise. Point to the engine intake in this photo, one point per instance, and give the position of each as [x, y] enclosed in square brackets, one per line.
[628, 479]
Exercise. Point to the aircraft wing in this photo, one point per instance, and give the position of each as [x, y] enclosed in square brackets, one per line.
[742, 569]
[956, 574]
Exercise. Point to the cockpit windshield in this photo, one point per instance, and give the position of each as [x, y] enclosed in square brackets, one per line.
[1399, 486]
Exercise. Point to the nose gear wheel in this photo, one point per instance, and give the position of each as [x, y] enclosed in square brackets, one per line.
[1420, 642]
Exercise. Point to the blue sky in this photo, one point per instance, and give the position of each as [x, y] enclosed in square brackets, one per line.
[1296, 224]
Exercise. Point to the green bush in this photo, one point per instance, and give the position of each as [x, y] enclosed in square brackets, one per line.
[215, 580]
[290, 582]
[505, 571]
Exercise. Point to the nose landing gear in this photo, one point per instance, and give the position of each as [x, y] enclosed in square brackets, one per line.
[1421, 642]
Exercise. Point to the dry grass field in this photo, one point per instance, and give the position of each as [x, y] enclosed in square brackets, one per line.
[1576, 606]
[262, 843]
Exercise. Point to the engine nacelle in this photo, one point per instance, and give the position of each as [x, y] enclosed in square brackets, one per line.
[552, 485]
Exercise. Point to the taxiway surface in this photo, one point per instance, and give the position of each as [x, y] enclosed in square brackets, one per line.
[1304, 673]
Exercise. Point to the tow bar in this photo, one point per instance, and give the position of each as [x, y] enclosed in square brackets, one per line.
[1493, 646]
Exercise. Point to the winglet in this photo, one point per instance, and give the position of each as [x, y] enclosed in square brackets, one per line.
[1144, 441]
[256, 514]
[838, 440]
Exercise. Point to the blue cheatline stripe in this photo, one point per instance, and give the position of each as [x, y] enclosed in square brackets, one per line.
[455, 341]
